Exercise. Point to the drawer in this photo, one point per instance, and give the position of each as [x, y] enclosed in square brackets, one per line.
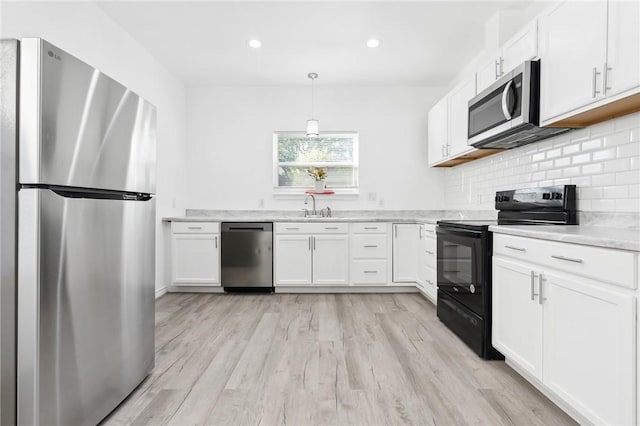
[311, 228]
[369, 228]
[369, 246]
[601, 264]
[428, 231]
[369, 271]
[195, 227]
[428, 252]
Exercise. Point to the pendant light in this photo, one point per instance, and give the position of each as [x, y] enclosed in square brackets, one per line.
[313, 130]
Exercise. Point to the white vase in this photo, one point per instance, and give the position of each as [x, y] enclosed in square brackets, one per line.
[319, 186]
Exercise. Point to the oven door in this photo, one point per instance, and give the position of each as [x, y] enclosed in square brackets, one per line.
[460, 266]
[502, 106]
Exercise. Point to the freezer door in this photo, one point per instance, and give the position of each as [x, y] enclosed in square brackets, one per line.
[85, 305]
[8, 204]
[80, 128]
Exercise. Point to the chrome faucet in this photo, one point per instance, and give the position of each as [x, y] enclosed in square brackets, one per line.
[306, 201]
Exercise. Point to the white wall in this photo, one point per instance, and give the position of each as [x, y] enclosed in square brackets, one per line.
[83, 30]
[230, 144]
[602, 160]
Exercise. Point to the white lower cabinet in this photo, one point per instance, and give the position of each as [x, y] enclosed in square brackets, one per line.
[293, 259]
[311, 254]
[573, 333]
[195, 251]
[589, 347]
[405, 252]
[427, 247]
[370, 253]
[330, 259]
[517, 315]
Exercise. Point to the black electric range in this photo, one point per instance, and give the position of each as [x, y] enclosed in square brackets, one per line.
[464, 258]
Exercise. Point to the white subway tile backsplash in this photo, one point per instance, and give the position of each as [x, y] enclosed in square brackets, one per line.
[602, 160]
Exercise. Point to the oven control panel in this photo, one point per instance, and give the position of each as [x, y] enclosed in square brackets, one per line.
[561, 197]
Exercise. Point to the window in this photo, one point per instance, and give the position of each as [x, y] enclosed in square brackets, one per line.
[294, 153]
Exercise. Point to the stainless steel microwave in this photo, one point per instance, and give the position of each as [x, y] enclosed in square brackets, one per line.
[506, 114]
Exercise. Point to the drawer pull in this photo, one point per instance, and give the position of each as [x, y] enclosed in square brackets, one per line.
[331, 227]
[569, 259]
[430, 282]
[194, 227]
[291, 229]
[429, 252]
[515, 248]
[370, 246]
[370, 272]
[370, 227]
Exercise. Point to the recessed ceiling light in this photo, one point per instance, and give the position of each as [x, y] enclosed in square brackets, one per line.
[255, 43]
[374, 42]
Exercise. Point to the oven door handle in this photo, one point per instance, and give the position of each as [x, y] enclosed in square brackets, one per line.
[505, 99]
[462, 233]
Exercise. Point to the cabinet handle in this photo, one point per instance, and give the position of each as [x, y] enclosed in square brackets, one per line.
[314, 243]
[216, 240]
[430, 282]
[395, 231]
[194, 227]
[540, 298]
[429, 252]
[370, 246]
[370, 227]
[370, 272]
[495, 69]
[309, 243]
[291, 229]
[331, 227]
[605, 78]
[533, 285]
[419, 232]
[515, 248]
[594, 82]
[569, 259]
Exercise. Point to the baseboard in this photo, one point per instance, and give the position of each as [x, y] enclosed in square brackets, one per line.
[161, 292]
[195, 289]
[346, 289]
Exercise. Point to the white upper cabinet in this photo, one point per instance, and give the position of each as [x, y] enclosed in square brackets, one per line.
[590, 54]
[572, 51]
[437, 132]
[458, 116]
[623, 47]
[521, 47]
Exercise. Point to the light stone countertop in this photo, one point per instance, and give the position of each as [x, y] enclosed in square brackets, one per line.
[598, 236]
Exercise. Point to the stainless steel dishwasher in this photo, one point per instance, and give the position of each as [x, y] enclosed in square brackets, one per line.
[247, 256]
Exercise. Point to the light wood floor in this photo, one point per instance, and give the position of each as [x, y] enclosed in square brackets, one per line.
[353, 359]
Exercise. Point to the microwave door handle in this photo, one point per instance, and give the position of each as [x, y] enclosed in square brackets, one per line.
[505, 95]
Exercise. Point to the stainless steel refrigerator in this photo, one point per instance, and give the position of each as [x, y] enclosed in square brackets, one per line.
[78, 277]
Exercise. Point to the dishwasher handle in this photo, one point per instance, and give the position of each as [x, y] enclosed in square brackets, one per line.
[247, 226]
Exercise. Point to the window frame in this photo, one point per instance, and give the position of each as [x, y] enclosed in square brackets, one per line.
[284, 190]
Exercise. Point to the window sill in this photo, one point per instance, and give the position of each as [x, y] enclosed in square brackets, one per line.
[300, 192]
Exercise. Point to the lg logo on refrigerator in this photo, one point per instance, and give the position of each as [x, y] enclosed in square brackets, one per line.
[54, 56]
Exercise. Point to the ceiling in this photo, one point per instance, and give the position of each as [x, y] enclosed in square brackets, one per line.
[206, 43]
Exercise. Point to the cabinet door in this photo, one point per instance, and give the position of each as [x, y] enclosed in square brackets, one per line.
[623, 43]
[196, 259]
[488, 73]
[437, 131]
[293, 259]
[458, 110]
[522, 47]
[405, 252]
[330, 259]
[517, 315]
[589, 348]
[572, 53]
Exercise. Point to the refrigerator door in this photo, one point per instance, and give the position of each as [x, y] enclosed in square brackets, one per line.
[8, 203]
[85, 305]
[79, 127]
